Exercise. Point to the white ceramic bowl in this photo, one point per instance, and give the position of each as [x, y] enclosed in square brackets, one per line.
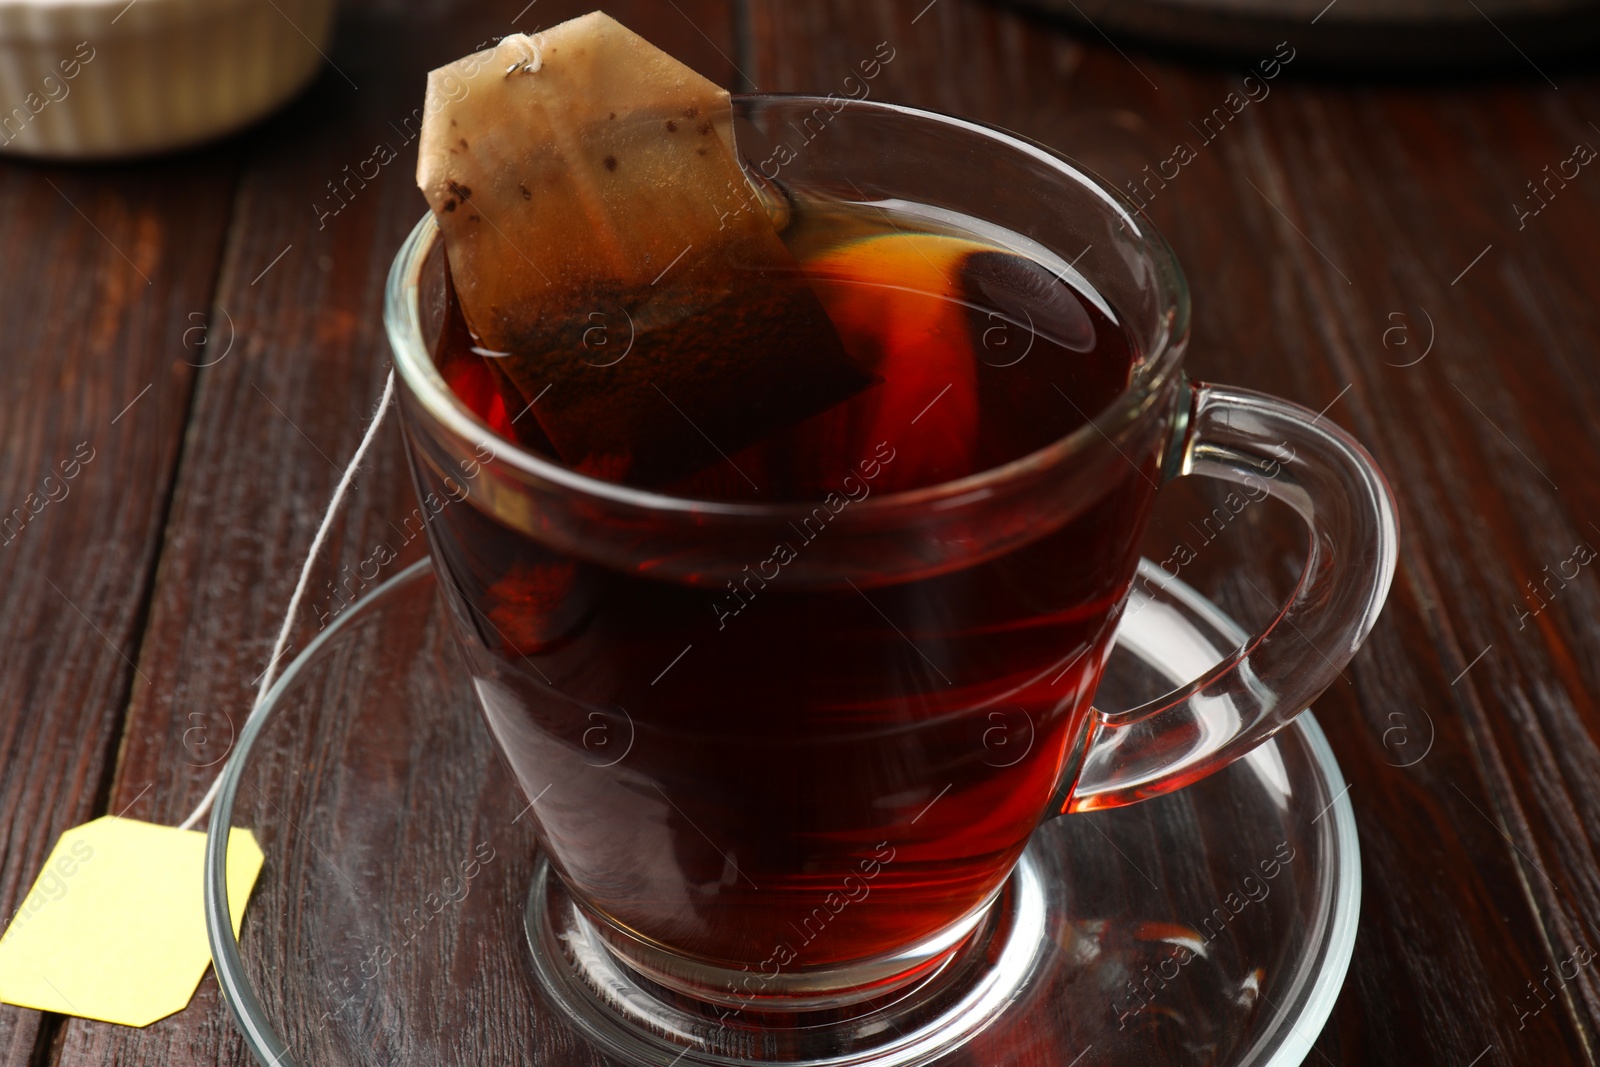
[103, 78]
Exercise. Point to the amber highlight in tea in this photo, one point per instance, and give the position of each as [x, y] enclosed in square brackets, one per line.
[976, 355]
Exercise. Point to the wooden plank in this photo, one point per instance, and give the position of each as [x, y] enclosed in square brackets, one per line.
[274, 422]
[105, 299]
[1478, 442]
[21, 1035]
[1304, 224]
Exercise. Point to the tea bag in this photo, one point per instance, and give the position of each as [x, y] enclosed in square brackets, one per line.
[612, 260]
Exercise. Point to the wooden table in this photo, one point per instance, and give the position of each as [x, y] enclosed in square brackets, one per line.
[208, 347]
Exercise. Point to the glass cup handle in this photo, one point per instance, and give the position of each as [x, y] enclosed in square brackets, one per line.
[1274, 448]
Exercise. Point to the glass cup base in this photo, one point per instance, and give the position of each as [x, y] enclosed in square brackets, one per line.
[911, 1023]
[785, 993]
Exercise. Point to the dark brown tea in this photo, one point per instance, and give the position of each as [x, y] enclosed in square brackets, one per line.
[764, 768]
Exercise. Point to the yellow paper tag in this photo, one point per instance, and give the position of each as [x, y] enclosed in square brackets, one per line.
[114, 928]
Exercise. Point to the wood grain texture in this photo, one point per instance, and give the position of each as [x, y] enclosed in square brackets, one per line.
[276, 420]
[1310, 223]
[107, 266]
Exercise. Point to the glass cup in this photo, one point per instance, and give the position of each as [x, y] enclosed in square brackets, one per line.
[784, 757]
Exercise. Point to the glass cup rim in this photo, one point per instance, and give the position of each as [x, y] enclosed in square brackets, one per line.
[403, 321]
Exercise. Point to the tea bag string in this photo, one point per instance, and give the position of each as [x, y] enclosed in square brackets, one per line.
[279, 647]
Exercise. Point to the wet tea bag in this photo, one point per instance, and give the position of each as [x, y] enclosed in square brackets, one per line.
[612, 260]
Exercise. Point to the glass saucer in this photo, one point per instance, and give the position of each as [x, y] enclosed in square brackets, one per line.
[1213, 925]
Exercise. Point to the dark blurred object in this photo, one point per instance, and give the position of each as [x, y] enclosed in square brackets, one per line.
[1393, 36]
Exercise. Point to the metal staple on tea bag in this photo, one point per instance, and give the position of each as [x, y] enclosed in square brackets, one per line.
[530, 65]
